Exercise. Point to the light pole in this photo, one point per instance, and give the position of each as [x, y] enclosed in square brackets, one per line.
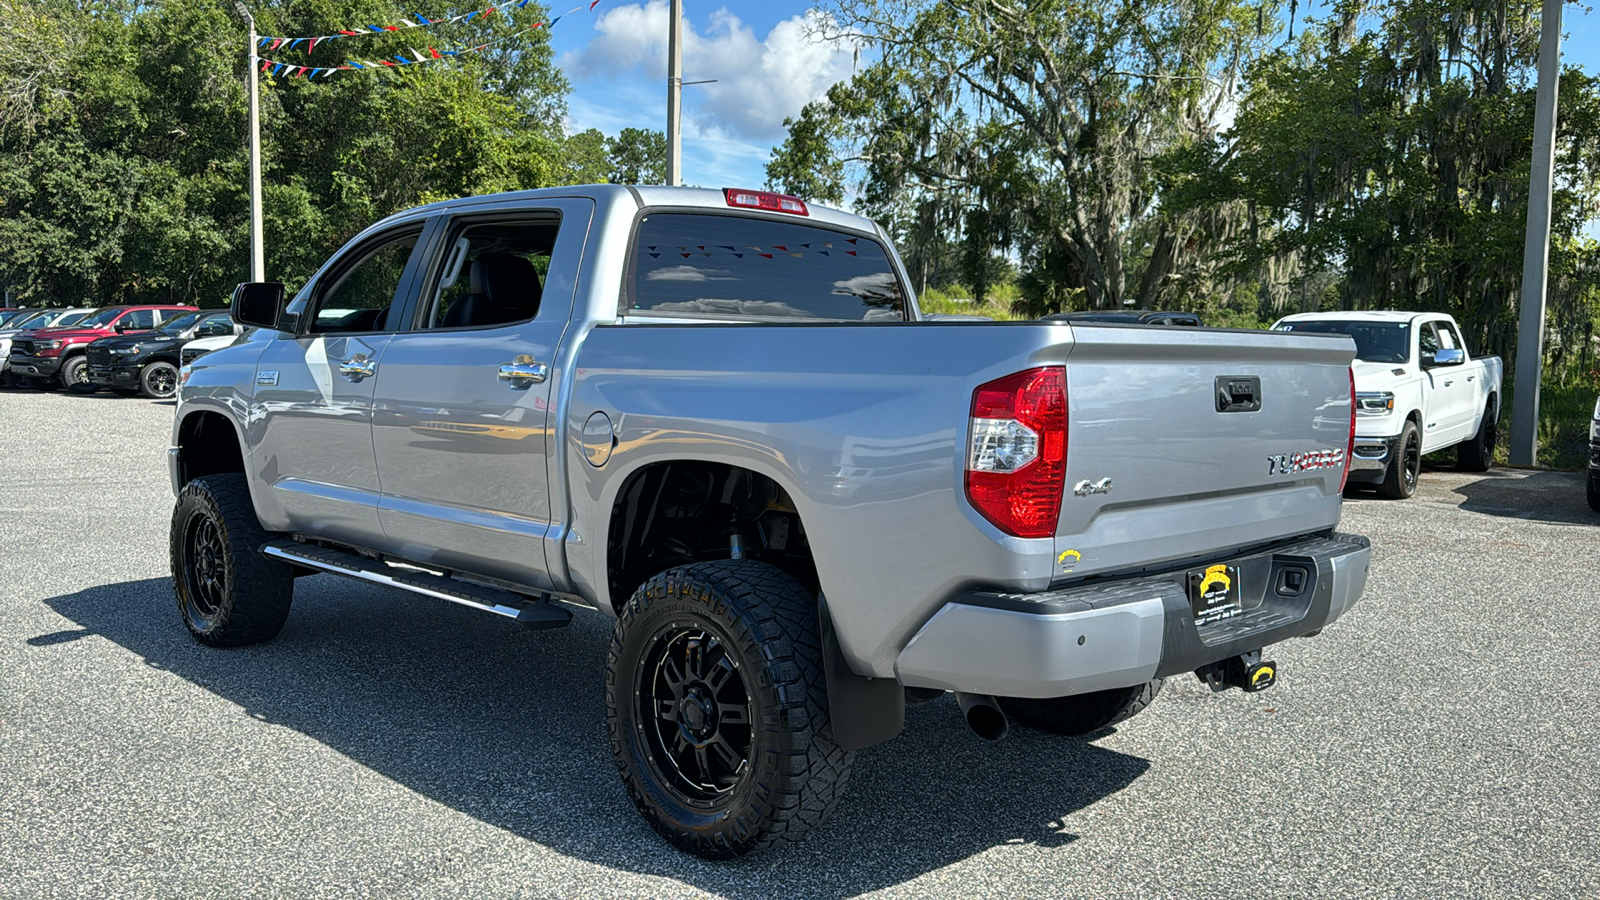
[674, 92]
[1536, 246]
[258, 264]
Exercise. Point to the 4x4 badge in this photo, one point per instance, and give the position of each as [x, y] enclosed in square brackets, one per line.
[267, 378]
[1086, 487]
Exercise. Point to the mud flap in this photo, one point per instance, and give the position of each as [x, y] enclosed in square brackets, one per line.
[864, 711]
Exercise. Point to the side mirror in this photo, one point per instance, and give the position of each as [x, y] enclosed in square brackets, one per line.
[120, 328]
[1444, 357]
[257, 303]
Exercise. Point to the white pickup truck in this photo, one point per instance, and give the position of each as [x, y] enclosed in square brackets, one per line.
[1417, 390]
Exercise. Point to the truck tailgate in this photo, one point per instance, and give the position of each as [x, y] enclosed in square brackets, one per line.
[1186, 443]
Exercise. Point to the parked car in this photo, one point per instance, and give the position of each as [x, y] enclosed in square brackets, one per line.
[31, 319]
[58, 353]
[677, 407]
[1417, 390]
[1594, 458]
[201, 346]
[148, 362]
[13, 314]
[1127, 317]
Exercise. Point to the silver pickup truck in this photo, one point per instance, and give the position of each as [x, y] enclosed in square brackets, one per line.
[718, 418]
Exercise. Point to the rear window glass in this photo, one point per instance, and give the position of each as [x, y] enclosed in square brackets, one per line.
[733, 266]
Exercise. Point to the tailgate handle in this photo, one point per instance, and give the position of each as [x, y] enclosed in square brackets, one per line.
[1238, 393]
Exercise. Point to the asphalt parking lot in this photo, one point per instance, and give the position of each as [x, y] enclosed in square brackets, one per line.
[1443, 739]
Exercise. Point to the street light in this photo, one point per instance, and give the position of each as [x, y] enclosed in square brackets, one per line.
[258, 265]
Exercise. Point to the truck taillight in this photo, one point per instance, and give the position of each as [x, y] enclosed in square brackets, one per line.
[1350, 448]
[1017, 451]
[766, 200]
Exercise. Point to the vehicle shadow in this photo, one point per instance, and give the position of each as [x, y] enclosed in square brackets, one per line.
[1540, 496]
[507, 726]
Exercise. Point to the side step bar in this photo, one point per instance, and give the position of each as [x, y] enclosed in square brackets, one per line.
[532, 613]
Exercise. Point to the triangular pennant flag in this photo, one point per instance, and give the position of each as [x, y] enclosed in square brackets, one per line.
[276, 68]
[764, 255]
[655, 256]
[418, 54]
[828, 244]
[851, 252]
[806, 246]
[266, 64]
[780, 247]
[555, 20]
[725, 247]
[594, 4]
[798, 255]
[684, 255]
[275, 43]
[312, 47]
[738, 256]
[375, 28]
[824, 253]
[434, 52]
[850, 241]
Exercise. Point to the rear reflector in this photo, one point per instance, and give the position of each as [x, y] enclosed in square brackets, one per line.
[1350, 448]
[1017, 451]
[764, 200]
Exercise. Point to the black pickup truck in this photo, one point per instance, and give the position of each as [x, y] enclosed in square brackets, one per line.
[148, 362]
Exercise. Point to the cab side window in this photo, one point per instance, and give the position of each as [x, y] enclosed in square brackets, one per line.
[492, 273]
[1427, 341]
[138, 319]
[357, 296]
[1448, 337]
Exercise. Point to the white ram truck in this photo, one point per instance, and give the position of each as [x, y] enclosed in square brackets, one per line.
[1417, 390]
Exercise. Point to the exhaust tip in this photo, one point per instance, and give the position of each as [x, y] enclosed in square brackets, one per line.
[984, 716]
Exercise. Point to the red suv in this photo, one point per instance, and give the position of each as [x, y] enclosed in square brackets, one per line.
[58, 353]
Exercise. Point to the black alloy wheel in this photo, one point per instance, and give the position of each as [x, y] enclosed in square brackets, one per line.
[206, 574]
[159, 380]
[695, 712]
[1400, 482]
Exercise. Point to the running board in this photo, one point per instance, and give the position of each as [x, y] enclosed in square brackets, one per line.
[534, 614]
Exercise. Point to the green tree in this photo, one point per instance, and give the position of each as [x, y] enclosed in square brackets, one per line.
[637, 156]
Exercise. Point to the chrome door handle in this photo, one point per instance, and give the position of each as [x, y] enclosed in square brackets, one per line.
[523, 375]
[1448, 383]
[358, 368]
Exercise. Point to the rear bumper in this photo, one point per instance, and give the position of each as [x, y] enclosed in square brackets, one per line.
[1096, 636]
[36, 366]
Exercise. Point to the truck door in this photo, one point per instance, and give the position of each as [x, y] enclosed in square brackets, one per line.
[312, 408]
[461, 423]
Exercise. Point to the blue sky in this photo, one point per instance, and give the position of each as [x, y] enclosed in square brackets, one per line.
[767, 66]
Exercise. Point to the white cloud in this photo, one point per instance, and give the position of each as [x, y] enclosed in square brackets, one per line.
[688, 273]
[759, 81]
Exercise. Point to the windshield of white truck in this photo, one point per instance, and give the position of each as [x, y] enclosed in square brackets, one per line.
[724, 266]
[1388, 342]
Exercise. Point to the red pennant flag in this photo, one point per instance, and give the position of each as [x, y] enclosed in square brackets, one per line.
[350, 33]
[434, 52]
[764, 255]
[851, 252]
[313, 45]
[275, 43]
[266, 64]
[391, 28]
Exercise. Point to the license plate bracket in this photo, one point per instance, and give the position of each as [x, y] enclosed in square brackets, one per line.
[1215, 593]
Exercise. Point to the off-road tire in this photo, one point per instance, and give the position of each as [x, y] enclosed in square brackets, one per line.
[790, 771]
[1400, 482]
[74, 375]
[1594, 490]
[1477, 454]
[158, 380]
[1082, 713]
[228, 593]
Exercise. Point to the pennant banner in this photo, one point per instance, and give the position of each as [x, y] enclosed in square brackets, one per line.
[416, 57]
[309, 44]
